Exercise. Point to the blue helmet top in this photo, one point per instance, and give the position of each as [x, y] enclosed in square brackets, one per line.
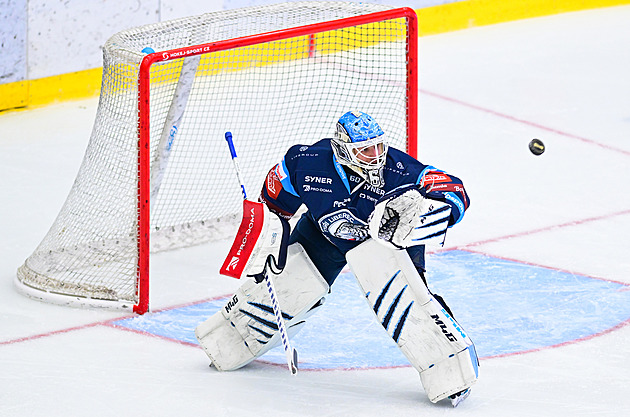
[356, 126]
[359, 142]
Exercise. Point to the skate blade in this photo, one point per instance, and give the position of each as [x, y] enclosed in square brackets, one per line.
[456, 400]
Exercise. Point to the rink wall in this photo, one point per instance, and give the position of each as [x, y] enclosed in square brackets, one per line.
[51, 50]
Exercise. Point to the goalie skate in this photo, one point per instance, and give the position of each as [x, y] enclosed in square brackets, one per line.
[456, 399]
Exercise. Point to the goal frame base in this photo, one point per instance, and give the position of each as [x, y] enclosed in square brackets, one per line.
[70, 300]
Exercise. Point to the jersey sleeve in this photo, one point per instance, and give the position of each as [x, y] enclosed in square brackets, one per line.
[438, 185]
[278, 192]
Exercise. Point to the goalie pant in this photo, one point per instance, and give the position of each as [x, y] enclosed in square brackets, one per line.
[433, 342]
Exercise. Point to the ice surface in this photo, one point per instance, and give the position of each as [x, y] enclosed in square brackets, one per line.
[538, 271]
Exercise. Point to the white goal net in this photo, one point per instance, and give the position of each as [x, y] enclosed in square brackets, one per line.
[157, 172]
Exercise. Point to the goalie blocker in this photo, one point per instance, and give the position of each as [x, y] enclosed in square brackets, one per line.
[261, 241]
[433, 342]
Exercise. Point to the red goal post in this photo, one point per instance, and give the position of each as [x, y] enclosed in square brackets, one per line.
[144, 83]
[185, 97]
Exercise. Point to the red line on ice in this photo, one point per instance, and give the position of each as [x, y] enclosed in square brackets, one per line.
[109, 323]
[534, 231]
[525, 122]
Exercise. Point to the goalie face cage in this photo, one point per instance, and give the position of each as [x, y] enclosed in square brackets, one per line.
[157, 166]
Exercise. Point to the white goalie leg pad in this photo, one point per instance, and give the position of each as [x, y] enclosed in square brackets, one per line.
[245, 328]
[433, 342]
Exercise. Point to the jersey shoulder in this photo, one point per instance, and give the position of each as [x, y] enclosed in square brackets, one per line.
[308, 154]
[396, 155]
[403, 166]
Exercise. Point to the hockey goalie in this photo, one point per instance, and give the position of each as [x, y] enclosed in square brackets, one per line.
[370, 207]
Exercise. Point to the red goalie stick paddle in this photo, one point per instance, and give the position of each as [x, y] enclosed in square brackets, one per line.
[246, 237]
[245, 240]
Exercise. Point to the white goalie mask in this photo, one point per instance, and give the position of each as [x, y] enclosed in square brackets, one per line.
[359, 143]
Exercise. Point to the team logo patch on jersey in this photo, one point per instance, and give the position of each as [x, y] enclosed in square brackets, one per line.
[280, 172]
[273, 183]
[343, 224]
[436, 177]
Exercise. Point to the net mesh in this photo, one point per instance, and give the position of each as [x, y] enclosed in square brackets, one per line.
[270, 96]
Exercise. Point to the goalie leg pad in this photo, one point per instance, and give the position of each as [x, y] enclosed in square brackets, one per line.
[452, 375]
[433, 342]
[245, 328]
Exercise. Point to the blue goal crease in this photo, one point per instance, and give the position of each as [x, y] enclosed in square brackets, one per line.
[506, 307]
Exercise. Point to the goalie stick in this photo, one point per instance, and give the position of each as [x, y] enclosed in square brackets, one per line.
[290, 352]
[172, 124]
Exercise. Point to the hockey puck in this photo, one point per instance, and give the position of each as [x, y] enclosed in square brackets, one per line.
[536, 146]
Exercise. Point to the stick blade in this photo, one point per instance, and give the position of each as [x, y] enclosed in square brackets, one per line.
[293, 365]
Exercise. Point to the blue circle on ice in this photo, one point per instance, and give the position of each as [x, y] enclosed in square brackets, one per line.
[506, 307]
[148, 50]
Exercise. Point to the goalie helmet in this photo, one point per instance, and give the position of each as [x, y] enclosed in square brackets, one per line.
[359, 143]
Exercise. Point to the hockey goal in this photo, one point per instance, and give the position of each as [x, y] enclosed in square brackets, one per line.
[157, 173]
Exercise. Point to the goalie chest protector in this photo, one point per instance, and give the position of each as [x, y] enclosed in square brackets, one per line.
[338, 200]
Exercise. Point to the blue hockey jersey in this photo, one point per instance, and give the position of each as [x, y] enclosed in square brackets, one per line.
[340, 201]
